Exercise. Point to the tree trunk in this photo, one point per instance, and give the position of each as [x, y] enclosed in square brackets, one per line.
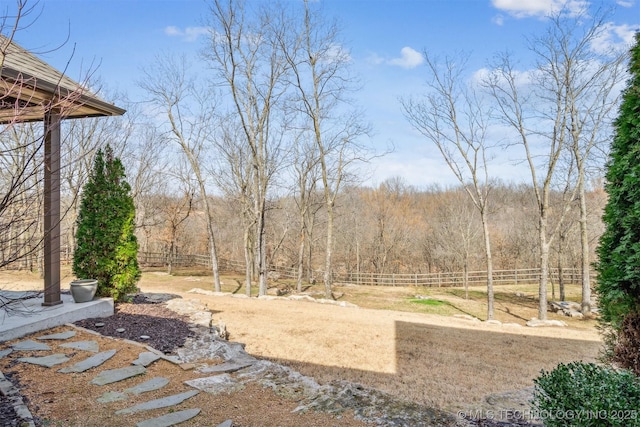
[544, 271]
[301, 258]
[261, 255]
[328, 254]
[584, 242]
[212, 240]
[248, 263]
[489, 259]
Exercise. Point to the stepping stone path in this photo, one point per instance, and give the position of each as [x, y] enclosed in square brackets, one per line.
[137, 367]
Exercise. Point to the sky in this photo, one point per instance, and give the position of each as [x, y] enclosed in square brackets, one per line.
[386, 40]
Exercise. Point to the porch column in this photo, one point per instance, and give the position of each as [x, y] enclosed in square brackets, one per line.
[52, 208]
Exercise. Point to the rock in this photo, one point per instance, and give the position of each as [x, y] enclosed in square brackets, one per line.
[47, 361]
[227, 423]
[99, 325]
[60, 336]
[5, 352]
[576, 314]
[91, 346]
[493, 322]
[170, 419]
[30, 345]
[112, 396]
[216, 384]
[534, 323]
[144, 337]
[120, 330]
[146, 358]
[115, 375]
[90, 362]
[466, 317]
[163, 402]
[225, 367]
[207, 292]
[150, 385]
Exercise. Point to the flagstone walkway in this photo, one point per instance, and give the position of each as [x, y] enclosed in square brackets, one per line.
[89, 358]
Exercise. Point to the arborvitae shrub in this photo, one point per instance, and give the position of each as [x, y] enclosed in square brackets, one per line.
[106, 246]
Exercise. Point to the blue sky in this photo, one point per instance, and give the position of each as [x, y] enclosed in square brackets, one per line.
[385, 38]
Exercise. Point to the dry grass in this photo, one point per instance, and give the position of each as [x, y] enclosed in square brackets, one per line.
[417, 351]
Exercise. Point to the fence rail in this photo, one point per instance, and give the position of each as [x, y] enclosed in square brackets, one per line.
[445, 279]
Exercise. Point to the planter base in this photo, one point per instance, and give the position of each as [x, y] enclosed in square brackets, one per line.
[83, 290]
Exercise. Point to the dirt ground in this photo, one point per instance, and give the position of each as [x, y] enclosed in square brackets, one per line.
[441, 361]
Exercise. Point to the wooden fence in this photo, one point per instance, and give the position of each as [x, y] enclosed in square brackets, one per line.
[453, 279]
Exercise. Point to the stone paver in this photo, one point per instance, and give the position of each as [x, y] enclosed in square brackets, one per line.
[90, 362]
[224, 368]
[6, 352]
[30, 345]
[91, 346]
[47, 361]
[146, 358]
[61, 336]
[159, 403]
[112, 396]
[170, 419]
[150, 385]
[116, 375]
[227, 423]
[153, 384]
[216, 384]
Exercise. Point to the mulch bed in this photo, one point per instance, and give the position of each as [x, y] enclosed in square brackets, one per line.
[166, 330]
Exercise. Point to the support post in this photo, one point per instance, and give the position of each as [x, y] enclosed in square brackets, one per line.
[52, 208]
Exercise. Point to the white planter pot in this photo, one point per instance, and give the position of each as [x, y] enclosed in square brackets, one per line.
[83, 290]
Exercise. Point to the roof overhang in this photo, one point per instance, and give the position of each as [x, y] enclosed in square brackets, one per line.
[29, 88]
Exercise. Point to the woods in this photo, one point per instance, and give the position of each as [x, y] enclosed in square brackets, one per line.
[256, 151]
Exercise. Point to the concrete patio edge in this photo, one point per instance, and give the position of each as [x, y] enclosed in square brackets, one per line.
[28, 316]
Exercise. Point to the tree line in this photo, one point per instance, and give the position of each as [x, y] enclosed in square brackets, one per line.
[258, 157]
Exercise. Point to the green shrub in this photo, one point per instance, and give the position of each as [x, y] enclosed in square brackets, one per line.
[586, 394]
[106, 247]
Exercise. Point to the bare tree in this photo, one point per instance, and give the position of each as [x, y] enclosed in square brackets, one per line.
[234, 176]
[322, 80]
[190, 114]
[305, 167]
[563, 103]
[454, 118]
[248, 63]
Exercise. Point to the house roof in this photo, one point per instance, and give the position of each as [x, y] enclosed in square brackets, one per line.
[29, 87]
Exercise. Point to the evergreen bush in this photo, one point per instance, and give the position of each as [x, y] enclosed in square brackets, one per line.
[585, 395]
[618, 266]
[106, 246]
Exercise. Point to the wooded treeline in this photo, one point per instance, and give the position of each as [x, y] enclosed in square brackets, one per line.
[255, 151]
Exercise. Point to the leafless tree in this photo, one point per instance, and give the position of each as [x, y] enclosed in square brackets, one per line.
[190, 113]
[249, 65]
[234, 177]
[454, 118]
[323, 83]
[563, 104]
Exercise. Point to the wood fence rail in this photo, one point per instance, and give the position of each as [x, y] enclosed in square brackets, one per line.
[570, 276]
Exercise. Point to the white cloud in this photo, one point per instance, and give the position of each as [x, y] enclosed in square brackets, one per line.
[614, 38]
[540, 8]
[189, 34]
[625, 3]
[498, 19]
[409, 58]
